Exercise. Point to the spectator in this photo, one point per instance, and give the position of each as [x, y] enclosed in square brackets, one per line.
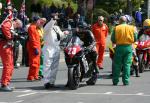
[69, 11]
[120, 13]
[77, 19]
[62, 16]
[35, 8]
[46, 12]
[138, 18]
[63, 10]
[53, 9]
[81, 12]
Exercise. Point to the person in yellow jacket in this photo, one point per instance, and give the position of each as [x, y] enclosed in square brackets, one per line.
[41, 32]
[123, 36]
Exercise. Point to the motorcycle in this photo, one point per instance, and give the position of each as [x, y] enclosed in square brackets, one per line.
[134, 65]
[80, 67]
[143, 52]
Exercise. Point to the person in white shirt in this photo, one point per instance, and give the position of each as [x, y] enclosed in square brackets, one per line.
[51, 52]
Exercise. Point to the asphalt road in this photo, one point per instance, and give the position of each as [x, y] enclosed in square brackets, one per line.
[103, 92]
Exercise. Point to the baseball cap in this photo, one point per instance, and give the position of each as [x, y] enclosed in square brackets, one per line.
[35, 18]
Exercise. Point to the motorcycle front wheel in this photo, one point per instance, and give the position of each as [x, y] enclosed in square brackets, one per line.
[73, 78]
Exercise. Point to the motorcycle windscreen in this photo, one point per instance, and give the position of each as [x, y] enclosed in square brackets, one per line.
[144, 42]
[74, 46]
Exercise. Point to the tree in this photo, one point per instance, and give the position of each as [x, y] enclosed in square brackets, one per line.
[114, 5]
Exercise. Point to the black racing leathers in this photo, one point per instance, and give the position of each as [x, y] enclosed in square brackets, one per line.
[89, 42]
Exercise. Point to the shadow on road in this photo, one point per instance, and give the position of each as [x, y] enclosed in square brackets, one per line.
[14, 80]
[104, 76]
[41, 88]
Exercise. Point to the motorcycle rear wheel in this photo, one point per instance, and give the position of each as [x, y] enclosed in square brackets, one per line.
[92, 80]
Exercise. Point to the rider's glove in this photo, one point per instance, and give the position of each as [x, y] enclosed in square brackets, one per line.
[36, 51]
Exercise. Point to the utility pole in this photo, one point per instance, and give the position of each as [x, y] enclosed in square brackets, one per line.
[148, 7]
[129, 7]
[0, 7]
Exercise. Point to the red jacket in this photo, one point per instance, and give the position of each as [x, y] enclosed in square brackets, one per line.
[100, 33]
[34, 36]
[6, 29]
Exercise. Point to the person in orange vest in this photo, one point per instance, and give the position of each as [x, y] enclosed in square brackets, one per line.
[123, 35]
[6, 51]
[100, 31]
[42, 22]
[34, 49]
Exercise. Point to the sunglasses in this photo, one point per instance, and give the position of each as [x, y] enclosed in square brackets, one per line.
[100, 20]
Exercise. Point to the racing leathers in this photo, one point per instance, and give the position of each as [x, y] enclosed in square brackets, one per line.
[89, 42]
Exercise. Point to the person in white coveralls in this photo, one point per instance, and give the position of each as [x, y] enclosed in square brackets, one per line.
[51, 52]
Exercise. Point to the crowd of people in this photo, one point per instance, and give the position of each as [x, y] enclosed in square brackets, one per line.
[43, 44]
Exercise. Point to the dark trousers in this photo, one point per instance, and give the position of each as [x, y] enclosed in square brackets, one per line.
[25, 57]
[16, 52]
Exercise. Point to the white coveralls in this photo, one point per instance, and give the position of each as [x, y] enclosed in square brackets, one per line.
[51, 51]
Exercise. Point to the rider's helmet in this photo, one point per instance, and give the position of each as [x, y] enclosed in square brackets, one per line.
[82, 25]
[146, 24]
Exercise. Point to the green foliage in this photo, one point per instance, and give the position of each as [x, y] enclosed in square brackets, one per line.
[59, 3]
[114, 5]
[137, 4]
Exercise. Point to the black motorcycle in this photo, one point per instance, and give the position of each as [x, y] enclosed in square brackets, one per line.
[79, 65]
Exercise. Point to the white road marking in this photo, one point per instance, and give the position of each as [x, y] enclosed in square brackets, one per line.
[18, 101]
[25, 91]
[140, 94]
[23, 95]
[77, 93]
[80, 102]
[108, 93]
[14, 102]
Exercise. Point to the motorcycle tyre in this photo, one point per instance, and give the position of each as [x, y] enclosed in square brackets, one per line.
[92, 80]
[141, 64]
[73, 82]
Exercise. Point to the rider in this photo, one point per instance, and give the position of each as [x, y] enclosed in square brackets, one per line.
[146, 31]
[87, 37]
[83, 32]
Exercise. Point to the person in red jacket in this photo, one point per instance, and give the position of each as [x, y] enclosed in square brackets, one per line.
[100, 31]
[34, 50]
[6, 51]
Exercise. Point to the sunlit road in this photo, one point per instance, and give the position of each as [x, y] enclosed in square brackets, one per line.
[103, 92]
